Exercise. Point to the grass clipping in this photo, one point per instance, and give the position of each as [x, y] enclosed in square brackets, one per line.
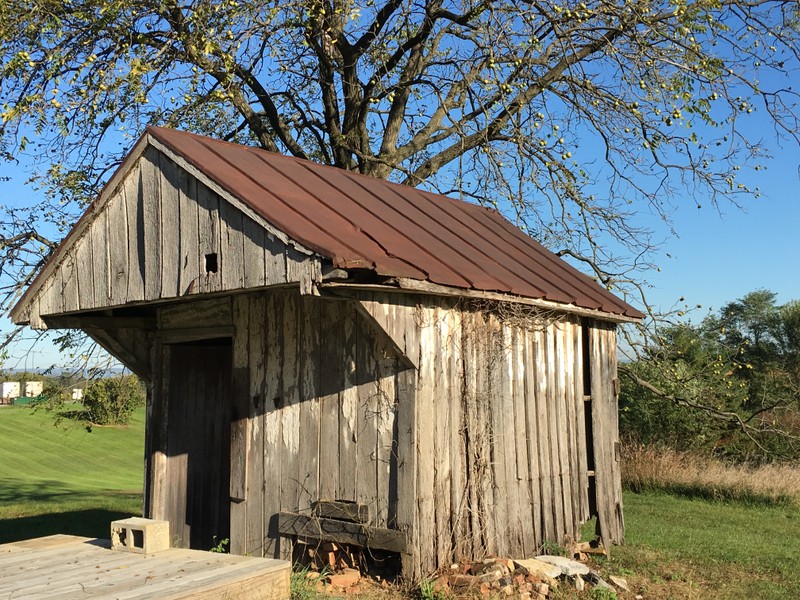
[648, 469]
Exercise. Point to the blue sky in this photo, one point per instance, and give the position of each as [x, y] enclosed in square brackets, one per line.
[720, 256]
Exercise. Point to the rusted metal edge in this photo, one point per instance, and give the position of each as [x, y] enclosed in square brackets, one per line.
[406, 285]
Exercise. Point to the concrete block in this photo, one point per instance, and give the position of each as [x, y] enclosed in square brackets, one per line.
[142, 536]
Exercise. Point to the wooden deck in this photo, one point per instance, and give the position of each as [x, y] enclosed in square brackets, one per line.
[65, 567]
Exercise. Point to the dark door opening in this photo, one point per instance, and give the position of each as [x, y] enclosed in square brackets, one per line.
[198, 443]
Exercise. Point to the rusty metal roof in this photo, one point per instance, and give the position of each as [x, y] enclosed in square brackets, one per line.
[361, 222]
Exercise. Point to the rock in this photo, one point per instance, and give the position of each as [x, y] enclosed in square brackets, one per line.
[525, 596]
[489, 566]
[491, 577]
[538, 567]
[507, 590]
[619, 582]
[541, 588]
[441, 584]
[567, 565]
[596, 580]
[345, 579]
[589, 548]
[460, 580]
[578, 582]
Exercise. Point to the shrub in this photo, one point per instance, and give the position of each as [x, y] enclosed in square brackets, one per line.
[111, 401]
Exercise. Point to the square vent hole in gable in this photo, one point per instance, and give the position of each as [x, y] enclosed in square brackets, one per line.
[211, 263]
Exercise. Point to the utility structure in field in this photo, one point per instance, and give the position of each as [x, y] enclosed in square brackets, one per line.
[336, 357]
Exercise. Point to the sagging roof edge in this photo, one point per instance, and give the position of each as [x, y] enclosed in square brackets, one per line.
[434, 289]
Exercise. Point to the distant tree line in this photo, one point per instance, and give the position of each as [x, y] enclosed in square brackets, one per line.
[728, 386]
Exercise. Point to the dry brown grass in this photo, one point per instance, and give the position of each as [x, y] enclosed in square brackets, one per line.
[645, 468]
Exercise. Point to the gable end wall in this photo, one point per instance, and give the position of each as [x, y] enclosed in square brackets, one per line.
[149, 239]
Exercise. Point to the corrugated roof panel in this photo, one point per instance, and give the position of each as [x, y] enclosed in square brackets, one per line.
[428, 233]
[395, 230]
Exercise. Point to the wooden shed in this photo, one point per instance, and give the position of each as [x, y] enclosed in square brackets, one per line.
[311, 336]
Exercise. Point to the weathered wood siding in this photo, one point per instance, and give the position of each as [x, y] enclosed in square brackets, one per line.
[153, 238]
[605, 407]
[461, 424]
[501, 440]
[314, 406]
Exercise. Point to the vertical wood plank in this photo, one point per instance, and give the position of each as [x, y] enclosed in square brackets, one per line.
[134, 213]
[69, 281]
[387, 443]
[189, 258]
[562, 427]
[117, 248]
[367, 393]
[83, 256]
[274, 260]
[170, 227]
[290, 441]
[240, 426]
[231, 255]
[208, 232]
[98, 234]
[254, 237]
[256, 482]
[580, 420]
[491, 511]
[402, 317]
[426, 427]
[330, 367]
[552, 431]
[273, 422]
[543, 437]
[309, 356]
[151, 201]
[440, 329]
[459, 489]
[535, 508]
[160, 425]
[605, 432]
[348, 411]
[472, 432]
[526, 527]
[568, 351]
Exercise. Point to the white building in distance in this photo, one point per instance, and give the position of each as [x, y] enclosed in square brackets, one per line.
[9, 390]
[31, 389]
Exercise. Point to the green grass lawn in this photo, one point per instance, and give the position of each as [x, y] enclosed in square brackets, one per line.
[64, 479]
[57, 480]
[692, 548]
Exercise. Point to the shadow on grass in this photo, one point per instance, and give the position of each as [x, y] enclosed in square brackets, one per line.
[94, 523]
[35, 509]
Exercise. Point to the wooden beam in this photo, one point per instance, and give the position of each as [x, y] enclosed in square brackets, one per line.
[108, 323]
[135, 356]
[403, 284]
[343, 511]
[343, 532]
[193, 334]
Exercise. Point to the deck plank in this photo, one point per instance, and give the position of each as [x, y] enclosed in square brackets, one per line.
[64, 567]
